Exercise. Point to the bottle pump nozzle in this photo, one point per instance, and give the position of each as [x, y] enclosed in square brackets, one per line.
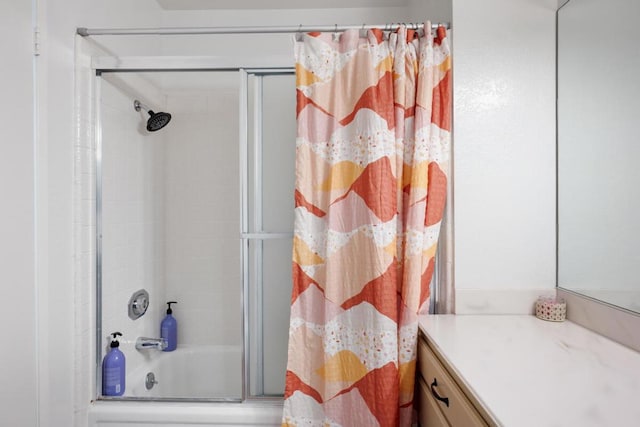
[169, 311]
[114, 340]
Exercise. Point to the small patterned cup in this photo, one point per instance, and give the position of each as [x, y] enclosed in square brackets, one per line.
[551, 309]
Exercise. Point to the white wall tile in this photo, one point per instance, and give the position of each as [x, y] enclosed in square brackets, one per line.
[202, 222]
[133, 199]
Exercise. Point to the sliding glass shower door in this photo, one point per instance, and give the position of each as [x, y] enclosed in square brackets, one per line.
[199, 212]
[269, 158]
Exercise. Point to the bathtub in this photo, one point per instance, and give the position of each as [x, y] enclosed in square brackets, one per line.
[194, 372]
[185, 375]
[178, 414]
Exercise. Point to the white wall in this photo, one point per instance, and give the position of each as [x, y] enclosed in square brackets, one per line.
[504, 149]
[18, 394]
[278, 45]
[433, 10]
[61, 304]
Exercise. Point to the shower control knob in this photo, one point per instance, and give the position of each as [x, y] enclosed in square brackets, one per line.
[138, 304]
[150, 381]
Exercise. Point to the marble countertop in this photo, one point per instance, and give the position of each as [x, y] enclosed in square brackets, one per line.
[528, 372]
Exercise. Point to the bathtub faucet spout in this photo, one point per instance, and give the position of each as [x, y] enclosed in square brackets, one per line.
[143, 343]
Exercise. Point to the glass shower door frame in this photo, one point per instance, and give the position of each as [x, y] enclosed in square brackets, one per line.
[252, 227]
[251, 351]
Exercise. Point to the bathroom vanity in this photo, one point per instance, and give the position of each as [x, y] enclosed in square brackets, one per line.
[517, 370]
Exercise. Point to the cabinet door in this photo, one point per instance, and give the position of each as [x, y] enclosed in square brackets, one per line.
[454, 404]
[429, 413]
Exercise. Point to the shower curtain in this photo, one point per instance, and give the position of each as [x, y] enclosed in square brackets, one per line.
[373, 148]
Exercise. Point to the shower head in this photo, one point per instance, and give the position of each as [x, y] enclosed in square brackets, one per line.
[156, 120]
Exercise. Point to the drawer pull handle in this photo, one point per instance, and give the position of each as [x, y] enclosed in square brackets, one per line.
[444, 400]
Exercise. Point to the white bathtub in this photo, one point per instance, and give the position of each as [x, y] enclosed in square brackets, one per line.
[189, 372]
[173, 414]
[195, 372]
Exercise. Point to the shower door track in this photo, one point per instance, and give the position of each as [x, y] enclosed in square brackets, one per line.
[180, 64]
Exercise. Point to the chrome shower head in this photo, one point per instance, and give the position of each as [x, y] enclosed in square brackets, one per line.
[156, 120]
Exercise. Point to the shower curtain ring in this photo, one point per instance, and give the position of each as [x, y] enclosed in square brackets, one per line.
[299, 33]
[336, 36]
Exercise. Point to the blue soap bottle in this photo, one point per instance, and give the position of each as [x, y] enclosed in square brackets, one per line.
[169, 329]
[113, 369]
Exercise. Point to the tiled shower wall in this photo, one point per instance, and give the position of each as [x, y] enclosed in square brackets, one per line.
[203, 212]
[132, 212]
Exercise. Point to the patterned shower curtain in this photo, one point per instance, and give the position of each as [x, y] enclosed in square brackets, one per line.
[373, 148]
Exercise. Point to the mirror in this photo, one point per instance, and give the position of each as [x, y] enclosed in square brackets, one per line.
[599, 150]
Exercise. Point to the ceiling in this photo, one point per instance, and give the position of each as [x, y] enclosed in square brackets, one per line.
[275, 4]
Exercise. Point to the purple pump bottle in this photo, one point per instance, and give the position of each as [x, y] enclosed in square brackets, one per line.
[113, 369]
[169, 329]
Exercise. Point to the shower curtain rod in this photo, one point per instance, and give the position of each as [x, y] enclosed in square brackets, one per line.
[242, 30]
